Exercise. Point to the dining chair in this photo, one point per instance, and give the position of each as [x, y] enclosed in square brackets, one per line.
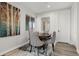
[50, 42]
[53, 38]
[35, 41]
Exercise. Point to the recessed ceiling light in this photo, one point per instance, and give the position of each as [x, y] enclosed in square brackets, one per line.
[48, 6]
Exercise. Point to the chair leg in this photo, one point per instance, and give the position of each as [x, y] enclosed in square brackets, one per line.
[31, 49]
[53, 46]
[46, 50]
[38, 51]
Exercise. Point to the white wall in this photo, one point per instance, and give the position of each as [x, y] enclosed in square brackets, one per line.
[64, 26]
[74, 24]
[77, 6]
[12, 42]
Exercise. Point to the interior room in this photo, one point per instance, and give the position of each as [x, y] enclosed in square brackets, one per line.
[39, 29]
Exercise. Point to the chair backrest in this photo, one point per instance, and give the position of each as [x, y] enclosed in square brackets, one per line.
[53, 37]
[34, 39]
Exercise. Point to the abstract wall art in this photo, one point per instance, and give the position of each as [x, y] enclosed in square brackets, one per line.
[27, 22]
[45, 24]
[9, 20]
[30, 23]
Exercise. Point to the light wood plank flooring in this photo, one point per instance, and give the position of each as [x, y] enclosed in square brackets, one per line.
[65, 49]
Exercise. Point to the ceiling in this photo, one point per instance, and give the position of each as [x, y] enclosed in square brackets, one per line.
[40, 7]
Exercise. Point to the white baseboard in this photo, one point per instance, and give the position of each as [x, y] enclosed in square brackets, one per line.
[2, 53]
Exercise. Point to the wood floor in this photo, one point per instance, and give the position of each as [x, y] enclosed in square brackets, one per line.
[65, 49]
[61, 49]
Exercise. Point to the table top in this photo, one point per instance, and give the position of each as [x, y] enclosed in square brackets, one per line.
[44, 36]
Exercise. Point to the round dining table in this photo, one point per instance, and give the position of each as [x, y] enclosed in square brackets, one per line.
[44, 36]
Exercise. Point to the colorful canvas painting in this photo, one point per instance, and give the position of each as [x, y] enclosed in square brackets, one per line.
[30, 23]
[9, 20]
[27, 22]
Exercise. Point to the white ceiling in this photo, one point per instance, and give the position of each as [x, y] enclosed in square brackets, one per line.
[39, 7]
